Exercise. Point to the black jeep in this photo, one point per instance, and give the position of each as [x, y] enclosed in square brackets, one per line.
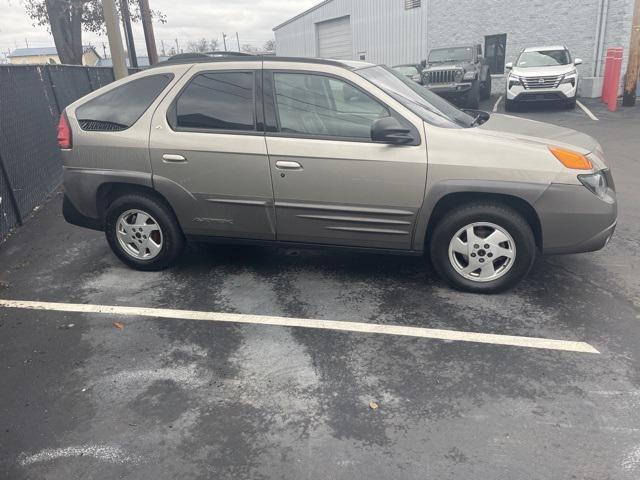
[459, 74]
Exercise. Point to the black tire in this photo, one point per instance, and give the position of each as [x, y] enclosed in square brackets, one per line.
[173, 241]
[485, 90]
[509, 105]
[496, 213]
[571, 103]
[472, 100]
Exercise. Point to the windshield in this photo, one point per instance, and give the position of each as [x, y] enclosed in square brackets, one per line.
[451, 54]
[546, 58]
[406, 70]
[421, 101]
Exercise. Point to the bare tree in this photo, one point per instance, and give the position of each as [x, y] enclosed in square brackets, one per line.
[66, 19]
[199, 46]
[247, 48]
[203, 45]
[269, 46]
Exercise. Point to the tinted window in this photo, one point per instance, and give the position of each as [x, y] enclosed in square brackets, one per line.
[219, 101]
[319, 105]
[121, 107]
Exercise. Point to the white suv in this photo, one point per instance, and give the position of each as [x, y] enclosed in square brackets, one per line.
[541, 74]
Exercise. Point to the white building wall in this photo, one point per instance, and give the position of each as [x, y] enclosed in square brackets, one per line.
[383, 29]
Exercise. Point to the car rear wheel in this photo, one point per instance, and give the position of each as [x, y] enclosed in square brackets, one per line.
[483, 248]
[143, 232]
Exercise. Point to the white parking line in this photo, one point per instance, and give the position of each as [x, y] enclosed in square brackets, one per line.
[496, 339]
[587, 111]
[495, 107]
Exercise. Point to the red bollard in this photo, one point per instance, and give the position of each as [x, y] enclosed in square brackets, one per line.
[611, 83]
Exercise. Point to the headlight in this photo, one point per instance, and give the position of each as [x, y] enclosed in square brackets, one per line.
[458, 75]
[570, 78]
[469, 76]
[597, 183]
[514, 80]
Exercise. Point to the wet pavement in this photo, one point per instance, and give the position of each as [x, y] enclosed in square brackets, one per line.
[146, 398]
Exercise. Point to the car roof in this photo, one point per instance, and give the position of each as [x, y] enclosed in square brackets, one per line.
[350, 64]
[469, 45]
[542, 49]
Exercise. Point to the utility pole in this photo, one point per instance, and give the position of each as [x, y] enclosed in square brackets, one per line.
[164, 54]
[633, 65]
[177, 46]
[115, 39]
[224, 40]
[128, 33]
[238, 40]
[149, 37]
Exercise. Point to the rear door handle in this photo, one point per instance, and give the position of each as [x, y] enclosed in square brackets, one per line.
[172, 158]
[285, 165]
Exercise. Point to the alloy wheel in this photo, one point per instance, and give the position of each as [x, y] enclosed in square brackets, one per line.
[139, 234]
[482, 252]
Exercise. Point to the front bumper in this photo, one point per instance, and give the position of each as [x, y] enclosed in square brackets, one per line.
[449, 89]
[563, 92]
[574, 220]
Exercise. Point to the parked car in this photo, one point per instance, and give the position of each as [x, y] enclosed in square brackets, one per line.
[459, 74]
[308, 152]
[542, 74]
[410, 70]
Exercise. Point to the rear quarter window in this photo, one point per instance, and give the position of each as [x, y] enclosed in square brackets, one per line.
[221, 100]
[120, 108]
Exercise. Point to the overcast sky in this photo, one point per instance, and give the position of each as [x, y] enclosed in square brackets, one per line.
[186, 20]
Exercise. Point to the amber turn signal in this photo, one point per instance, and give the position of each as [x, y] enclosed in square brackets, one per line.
[571, 159]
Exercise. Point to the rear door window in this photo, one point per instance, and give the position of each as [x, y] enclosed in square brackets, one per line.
[216, 101]
[120, 108]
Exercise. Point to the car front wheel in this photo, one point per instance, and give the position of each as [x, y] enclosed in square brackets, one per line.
[509, 105]
[483, 248]
[571, 103]
[143, 232]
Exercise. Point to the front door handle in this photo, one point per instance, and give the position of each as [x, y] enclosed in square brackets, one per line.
[285, 165]
[171, 158]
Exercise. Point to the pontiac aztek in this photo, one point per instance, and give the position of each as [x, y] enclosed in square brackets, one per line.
[307, 152]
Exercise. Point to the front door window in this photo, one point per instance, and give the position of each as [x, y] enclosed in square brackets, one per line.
[318, 105]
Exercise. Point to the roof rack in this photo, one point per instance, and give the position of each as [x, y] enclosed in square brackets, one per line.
[191, 58]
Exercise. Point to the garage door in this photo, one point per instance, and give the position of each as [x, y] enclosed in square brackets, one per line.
[334, 39]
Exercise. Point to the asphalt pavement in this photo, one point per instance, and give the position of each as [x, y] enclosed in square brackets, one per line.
[89, 395]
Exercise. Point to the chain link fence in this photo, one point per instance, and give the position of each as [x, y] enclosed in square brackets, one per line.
[31, 100]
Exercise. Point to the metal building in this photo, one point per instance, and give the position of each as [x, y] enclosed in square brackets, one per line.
[403, 31]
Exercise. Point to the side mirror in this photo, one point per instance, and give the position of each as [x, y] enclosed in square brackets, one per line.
[390, 130]
[508, 66]
[423, 63]
[577, 61]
